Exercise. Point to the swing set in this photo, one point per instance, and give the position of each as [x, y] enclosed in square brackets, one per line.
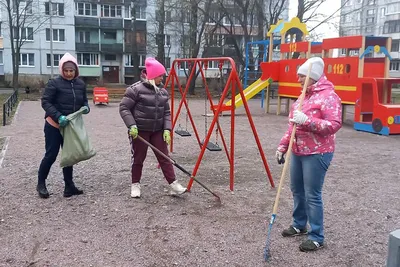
[232, 84]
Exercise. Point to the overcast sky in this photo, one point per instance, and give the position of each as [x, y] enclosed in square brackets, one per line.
[327, 8]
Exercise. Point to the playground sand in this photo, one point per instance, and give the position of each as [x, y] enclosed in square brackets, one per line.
[105, 227]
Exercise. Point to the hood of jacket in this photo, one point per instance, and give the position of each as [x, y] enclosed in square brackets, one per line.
[68, 58]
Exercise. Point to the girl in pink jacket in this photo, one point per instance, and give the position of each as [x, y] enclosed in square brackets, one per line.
[314, 144]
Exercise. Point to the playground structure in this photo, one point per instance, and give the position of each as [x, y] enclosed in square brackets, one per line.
[232, 85]
[100, 95]
[360, 79]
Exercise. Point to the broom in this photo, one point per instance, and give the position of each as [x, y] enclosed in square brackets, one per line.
[285, 166]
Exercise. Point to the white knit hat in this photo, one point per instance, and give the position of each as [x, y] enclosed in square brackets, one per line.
[317, 69]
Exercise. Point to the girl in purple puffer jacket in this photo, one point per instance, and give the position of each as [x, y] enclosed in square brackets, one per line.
[314, 144]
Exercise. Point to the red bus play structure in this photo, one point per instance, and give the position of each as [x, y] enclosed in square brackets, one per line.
[360, 75]
[232, 85]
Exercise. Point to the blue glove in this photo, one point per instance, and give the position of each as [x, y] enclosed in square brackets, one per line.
[86, 110]
[62, 120]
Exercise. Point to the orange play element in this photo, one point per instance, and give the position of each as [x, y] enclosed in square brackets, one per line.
[100, 95]
[360, 74]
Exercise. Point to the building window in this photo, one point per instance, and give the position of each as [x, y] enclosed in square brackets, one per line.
[140, 12]
[371, 2]
[88, 59]
[395, 46]
[110, 35]
[1, 57]
[394, 66]
[24, 7]
[57, 8]
[371, 12]
[140, 37]
[370, 20]
[83, 37]
[24, 33]
[86, 9]
[368, 29]
[27, 60]
[58, 35]
[110, 57]
[383, 12]
[111, 11]
[392, 26]
[56, 59]
[129, 60]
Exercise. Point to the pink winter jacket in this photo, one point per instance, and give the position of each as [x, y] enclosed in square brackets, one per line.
[324, 110]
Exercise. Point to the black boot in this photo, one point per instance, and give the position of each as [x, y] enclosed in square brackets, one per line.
[42, 190]
[71, 190]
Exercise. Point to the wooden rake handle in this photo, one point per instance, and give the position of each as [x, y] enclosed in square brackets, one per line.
[285, 166]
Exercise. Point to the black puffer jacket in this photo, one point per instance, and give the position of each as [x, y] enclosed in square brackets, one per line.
[144, 107]
[63, 97]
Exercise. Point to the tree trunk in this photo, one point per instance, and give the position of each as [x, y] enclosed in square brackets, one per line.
[160, 39]
[194, 49]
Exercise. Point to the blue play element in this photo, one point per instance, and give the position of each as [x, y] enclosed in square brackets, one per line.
[370, 49]
[367, 127]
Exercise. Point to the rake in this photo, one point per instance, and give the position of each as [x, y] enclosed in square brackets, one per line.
[179, 167]
[267, 253]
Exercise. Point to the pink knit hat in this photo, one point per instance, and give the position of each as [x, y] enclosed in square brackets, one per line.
[154, 68]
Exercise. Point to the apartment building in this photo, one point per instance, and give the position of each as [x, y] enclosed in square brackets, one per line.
[35, 56]
[374, 17]
[103, 39]
[100, 34]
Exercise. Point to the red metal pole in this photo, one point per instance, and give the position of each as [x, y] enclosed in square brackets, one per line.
[255, 133]
[232, 158]
[216, 114]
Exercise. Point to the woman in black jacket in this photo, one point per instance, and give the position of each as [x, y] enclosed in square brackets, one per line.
[63, 95]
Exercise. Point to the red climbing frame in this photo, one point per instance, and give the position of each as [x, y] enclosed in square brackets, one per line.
[233, 82]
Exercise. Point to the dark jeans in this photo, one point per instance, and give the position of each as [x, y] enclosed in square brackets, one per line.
[53, 141]
[139, 153]
[307, 175]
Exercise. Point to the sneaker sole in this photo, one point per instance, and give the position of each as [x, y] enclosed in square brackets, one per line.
[172, 193]
[299, 234]
[305, 250]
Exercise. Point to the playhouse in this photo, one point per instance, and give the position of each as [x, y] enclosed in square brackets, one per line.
[360, 74]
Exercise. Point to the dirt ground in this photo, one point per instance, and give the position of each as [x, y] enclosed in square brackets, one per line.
[105, 227]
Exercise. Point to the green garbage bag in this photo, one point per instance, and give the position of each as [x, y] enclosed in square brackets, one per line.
[77, 146]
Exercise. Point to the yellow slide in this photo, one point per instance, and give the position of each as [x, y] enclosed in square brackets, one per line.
[250, 91]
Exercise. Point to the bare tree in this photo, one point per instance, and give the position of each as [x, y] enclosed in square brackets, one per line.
[241, 21]
[23, 20]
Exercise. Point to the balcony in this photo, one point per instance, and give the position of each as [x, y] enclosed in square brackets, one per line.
[87, 47]
[112, 48]
[140, 25]
[111, 23]
[212, 51]
[111, 2]
[229, 52]
[140, 47]
[86, 22]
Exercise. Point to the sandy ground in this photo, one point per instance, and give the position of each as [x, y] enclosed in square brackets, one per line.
[105, 227]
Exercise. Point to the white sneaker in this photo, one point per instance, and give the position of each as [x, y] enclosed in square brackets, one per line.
[135, 190]
[177, 189]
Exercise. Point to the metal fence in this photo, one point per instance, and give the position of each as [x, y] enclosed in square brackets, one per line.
[9, 105]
